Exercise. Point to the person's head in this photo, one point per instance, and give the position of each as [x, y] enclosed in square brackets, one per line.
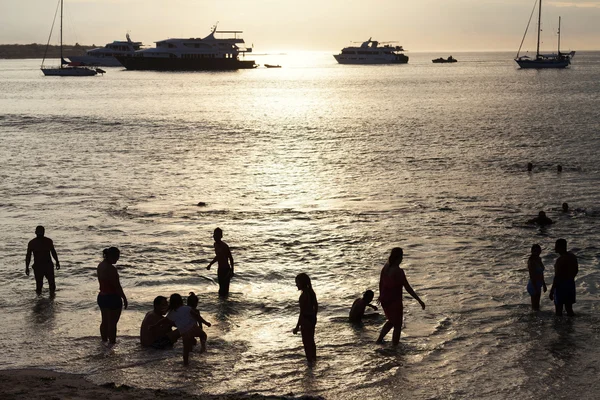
[536, 250]
[396, 256]
[218, 234]
[565, 207]
[161, 305]
[175, 301]
[368, 296]
[529, 167]
[541, 214]
[40, 231]
[111, 254]
[561, 246]
[192, 300]
[303, 281]
[559, 168]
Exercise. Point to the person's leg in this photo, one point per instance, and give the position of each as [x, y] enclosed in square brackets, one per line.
[188, 343]
[384, 331]
[49, 273]
[224, 279]
[308, 340]
[113, 320]
[173, 335]
[535, 301]
[569, 308]
[396, 334]
[203, 338]
[38, 272]
[104, 324]
[558, 307]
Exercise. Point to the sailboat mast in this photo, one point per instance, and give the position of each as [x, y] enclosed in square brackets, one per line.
[61, 38]
[559, 36]
[539, 30]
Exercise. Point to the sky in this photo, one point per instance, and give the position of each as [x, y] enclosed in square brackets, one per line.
[319, 25]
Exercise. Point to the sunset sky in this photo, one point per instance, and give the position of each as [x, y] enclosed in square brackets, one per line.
[286, 25]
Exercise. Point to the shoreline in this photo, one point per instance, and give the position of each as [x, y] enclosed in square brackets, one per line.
[25, 384]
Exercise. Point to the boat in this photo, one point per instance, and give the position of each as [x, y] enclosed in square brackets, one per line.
[209, 53]
[442, 60]
[105, 56]
[370, 52]
[65, 69]
[558, 60]
[272, 66]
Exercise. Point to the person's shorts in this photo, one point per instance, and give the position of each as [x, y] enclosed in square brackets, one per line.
[110, 301]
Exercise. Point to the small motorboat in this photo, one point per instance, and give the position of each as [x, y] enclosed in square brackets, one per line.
[272, 66]
[442, 60]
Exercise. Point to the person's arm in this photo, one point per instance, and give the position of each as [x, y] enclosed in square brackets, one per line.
[214, 260]
[230, 260]
[295, 330]
[372, 306]
[196, 315]
[576, 266]
[543, 279]
[162, 321]
[410, 291]
[28, 258]
[54, 255]
[117, 284]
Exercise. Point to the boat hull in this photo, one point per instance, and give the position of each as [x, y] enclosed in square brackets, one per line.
[542, 64]
[344, 59]
[69, 71]
[443, 61]
[184, 64]
[96, 61]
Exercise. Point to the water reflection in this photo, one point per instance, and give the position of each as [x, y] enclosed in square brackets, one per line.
[43, 311]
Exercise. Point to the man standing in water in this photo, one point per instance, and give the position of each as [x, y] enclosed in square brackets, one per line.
[42, 248]
[225, 261]
[563, 285]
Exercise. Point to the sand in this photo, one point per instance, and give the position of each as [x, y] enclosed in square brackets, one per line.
[29, 384]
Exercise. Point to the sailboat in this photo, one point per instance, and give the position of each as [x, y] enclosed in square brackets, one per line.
[65, 69]
[559, 60]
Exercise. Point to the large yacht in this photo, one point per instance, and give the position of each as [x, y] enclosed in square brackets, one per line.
[209, 53]
[105, 56]
[370, 52]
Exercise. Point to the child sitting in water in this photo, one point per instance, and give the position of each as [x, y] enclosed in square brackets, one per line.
[189, 323]
[359, 306]
[536, 276]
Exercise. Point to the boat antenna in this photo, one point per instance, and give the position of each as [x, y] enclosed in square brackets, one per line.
[50, 35]
[527, 28]
[559, 35]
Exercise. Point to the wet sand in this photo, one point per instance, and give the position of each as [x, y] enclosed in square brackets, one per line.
[29, 384]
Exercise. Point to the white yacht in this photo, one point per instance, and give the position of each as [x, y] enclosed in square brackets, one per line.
[193, 54]
[105, 56]
[370, 52]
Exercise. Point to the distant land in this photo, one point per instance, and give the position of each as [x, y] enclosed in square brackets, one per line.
[35, 50]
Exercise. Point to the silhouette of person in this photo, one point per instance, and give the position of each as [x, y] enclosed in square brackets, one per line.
[541, 219]
[358, 307]
[535, 266]
[153, 332]
[307, 320]
[529, 167]
[391, 282]
[111, 298]
[566, 268]
[565, 207]
[192, 301]
[43, 251]
[559, 169]
[224, 259]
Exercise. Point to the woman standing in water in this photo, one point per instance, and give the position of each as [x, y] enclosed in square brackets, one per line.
[536, 276]
[307, 320]
[111, 298]
[391, 282]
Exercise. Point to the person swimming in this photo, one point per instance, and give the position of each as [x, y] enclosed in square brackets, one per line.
[359, 306]
[541, 219]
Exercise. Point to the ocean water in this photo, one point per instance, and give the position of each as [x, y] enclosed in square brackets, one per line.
[318, 168]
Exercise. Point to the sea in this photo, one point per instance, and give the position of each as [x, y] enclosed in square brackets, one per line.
[319, 168]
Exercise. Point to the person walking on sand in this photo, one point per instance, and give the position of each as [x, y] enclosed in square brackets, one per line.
[391, 282]
[111, 298]
[307, 320]
[43, 251]
[535, 266]
[566, 268]
[225, 261]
